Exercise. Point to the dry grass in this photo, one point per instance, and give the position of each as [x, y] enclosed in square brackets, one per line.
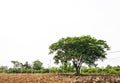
[58, 78]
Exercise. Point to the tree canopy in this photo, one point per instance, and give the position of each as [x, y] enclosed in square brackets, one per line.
[79, 50]
[37, 65]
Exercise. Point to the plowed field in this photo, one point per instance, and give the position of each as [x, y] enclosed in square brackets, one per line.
[58, 78]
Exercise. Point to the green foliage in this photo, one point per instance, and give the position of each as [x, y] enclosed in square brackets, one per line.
[107, 70]
[53, 70]
[3, 69]
[79, 50]
[19, 67]
[16, 64]
[13, 70]
[112, 71]
[67, 67]
[37, 65]
[26, 65]
[45, 70]
[108, 67]
[25, 70]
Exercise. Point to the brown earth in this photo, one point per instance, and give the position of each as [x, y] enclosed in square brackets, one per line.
[58, 78]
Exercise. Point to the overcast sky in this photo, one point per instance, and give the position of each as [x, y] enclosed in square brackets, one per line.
[28, 27]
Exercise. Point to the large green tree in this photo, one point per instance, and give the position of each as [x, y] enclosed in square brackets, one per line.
[79, 50]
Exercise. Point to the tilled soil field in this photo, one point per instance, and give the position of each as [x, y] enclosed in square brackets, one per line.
[58, 78]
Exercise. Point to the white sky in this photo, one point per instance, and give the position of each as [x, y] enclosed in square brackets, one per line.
[28, 27]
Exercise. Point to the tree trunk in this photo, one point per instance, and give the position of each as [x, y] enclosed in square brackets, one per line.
[77, 66]
[78, 72]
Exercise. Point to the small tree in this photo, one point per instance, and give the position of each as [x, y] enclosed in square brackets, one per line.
[26, 65]
[79, 50]
[37, 65]
[3, 69]
[16, 64]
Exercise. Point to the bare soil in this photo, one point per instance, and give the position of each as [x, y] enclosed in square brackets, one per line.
[58, 78]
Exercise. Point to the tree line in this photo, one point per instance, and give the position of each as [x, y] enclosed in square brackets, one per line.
[37, 67]
[19, 67]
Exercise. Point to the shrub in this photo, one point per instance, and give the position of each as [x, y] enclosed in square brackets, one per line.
[44, 70]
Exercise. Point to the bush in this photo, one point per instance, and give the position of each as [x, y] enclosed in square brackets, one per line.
[112, 71]
[44, 70]
[85, 70]
[25, 70]
[53, 70]
[13, 70]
